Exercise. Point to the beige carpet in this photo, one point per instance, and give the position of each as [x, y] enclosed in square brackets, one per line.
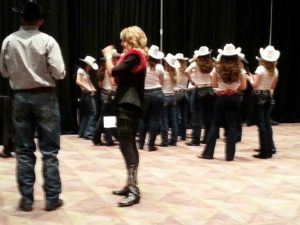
[177, 187]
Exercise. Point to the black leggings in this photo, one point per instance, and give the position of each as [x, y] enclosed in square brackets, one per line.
[126, 132]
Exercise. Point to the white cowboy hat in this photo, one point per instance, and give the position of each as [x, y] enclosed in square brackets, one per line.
[172, 61]
[269, 53]
[155, 53]
[242, 57]
[180, 56]
[203, 50]
[90, 61]
[229, 50]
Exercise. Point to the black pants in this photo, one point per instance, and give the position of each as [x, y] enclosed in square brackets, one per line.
[126, 131]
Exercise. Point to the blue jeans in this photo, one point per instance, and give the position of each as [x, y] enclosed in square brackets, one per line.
[88, 120]
[169, 117]
[37, 112]
[202, 115]
[190, 107]
[226, 108]
[181, 107]
[263, 112]
[153, 102]
[108, 108]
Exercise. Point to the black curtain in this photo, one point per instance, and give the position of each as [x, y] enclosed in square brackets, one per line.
[84, 27]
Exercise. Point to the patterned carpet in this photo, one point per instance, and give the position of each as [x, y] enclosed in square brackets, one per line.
[177, 187]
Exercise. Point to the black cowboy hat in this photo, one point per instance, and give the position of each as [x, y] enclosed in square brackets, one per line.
[31, 10]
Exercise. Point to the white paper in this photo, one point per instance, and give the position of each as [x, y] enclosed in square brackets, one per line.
[110, 121]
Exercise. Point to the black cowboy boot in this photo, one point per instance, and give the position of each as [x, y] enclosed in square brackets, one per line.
[133, 196]
[122, 192]
[125, 190]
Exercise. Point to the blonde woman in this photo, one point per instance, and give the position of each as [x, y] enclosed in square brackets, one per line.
[129, 74]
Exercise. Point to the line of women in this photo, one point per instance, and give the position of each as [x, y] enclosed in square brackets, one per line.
[166, 94]
[202, 93]
[207, 95]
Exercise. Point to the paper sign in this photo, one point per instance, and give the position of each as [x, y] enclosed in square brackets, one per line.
[110, 121]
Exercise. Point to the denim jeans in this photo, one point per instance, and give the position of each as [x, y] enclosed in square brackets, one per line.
[202, 116]
[169, 118]
[263, 112]
[88, 119]
[153, 102]
[108, 108]
[229, 106]
[37, 112]
[181, 108]
[190, 107]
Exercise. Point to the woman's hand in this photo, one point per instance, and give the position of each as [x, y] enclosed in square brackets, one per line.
[107, 51]
[250, 78]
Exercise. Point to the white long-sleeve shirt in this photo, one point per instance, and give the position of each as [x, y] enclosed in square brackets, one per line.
[31, 59]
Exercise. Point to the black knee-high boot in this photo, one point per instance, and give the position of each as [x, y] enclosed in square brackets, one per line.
[133, 196]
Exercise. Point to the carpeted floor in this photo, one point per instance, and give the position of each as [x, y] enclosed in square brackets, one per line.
[177, 187]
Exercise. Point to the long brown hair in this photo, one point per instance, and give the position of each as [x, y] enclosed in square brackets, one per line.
[229, 68]
[172, 73]
[183, 66]
[152, 62]
[205, 63]
[270, 66]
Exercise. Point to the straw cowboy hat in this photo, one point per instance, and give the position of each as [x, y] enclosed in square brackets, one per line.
[155, 53]
[180, 56]
[229, 50]
[90, 61]
[31, 10]
[203, 50]
[269, 53]
[172, 61]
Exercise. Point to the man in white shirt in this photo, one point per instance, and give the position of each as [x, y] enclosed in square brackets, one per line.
[32, 61]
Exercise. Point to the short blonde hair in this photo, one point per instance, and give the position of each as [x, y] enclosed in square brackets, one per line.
[135, 38]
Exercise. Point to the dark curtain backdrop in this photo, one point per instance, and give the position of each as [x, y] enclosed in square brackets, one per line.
[84, 27]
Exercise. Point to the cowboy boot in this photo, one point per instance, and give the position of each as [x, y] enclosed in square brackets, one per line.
[122, 192]
[133, 196]
[125, 190]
